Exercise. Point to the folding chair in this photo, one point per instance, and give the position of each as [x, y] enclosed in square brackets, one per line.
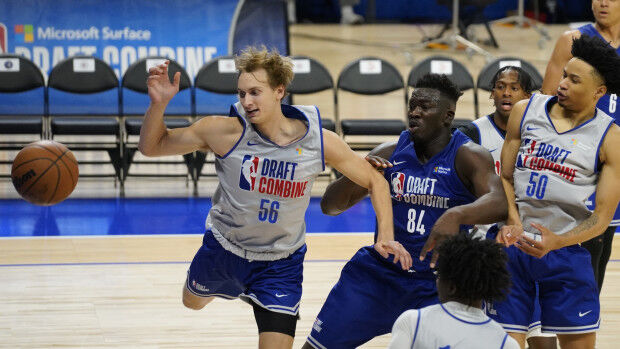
[23, 105]
[488, 71]
[134, 93]
[84, 111]
[453, 69]
[370, 76]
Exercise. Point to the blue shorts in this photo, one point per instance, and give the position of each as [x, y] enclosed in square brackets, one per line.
[369, 296]
[567, 292]
[273, 285]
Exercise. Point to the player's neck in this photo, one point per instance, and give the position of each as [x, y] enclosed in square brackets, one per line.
[476, 304]
[500, 121]
[280, 129]
[564, 119]
[426, 150]
[610, 33]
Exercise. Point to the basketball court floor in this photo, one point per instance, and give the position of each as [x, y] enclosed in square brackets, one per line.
[98, 271]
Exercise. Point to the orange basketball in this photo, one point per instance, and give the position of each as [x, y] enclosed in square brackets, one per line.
[45, 172]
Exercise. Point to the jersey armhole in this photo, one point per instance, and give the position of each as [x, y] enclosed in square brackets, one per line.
[318, 113]
[417, 326]
[243, 123]
[597, 164]
[504, 341]
[525, 113]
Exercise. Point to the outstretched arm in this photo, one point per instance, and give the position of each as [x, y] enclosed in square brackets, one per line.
[343, 193]
[359, 171]
[210, 133]
[560, 56]
[474, 165]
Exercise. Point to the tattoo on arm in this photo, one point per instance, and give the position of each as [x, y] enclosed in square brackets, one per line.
[585, 225]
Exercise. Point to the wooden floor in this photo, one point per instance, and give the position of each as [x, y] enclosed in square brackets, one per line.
[125, 291]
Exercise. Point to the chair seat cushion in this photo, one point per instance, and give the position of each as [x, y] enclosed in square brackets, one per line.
[85, 126]
[375, 127]
[21, 124]
[328, 124]
[133, 125]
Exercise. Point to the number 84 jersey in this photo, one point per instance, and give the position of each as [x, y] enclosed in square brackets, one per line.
[555, 173]
[421, 193]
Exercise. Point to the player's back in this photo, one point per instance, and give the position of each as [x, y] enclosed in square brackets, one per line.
[450, 325]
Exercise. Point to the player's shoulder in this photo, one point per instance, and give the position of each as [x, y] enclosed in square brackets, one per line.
[611, 143]
[471, 152]
[384, 150]
[511, 343]
[569, 35]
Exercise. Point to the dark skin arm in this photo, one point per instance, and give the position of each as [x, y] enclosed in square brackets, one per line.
[343, 193]
[474, 166]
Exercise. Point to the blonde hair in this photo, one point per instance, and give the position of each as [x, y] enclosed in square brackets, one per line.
[279, 68]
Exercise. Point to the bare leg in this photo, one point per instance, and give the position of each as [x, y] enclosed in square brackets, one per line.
[519, 337]
[577, 341]
[542, 343]
[192, 301]
[275, 340]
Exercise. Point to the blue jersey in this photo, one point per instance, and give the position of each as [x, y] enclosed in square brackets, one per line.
[609, 105]
[421, 193]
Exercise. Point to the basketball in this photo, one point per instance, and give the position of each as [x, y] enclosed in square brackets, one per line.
[45, 172]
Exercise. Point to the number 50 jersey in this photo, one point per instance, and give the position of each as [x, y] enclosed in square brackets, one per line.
[555, 173]
[421, 193]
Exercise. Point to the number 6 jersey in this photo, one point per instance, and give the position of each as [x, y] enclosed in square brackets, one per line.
[260, 203]
[555, 173]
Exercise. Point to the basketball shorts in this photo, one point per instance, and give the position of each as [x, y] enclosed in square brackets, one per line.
[273, 285]
[367, 299]
[567, 292]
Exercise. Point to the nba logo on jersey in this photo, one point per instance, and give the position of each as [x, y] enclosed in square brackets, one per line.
[249, 171]
[398, 183]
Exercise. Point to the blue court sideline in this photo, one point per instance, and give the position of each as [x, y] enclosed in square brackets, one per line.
[141, 216]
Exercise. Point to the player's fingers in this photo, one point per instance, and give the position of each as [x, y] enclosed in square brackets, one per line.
[408, 261]
[381, 250]
[177, 79]
[425, 249]
[434, 259]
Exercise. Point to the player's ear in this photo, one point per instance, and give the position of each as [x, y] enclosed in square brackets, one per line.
[450, 112]
[600, 92]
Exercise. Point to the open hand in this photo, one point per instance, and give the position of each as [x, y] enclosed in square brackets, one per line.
[386, 248]
[161, 90]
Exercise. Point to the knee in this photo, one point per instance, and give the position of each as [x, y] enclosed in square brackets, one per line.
[193, 303]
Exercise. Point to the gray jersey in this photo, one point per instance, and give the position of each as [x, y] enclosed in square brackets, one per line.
[449, 325]
[492, 140]
[259, 206]
[555, 173]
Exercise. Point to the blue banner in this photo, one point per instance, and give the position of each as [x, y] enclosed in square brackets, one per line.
[117, 31]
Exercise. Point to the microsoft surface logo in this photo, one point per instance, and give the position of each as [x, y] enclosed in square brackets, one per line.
[24, 33]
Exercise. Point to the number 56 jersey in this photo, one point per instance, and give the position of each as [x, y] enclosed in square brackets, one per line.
[260, 204]
[555, 173]
[421, 193]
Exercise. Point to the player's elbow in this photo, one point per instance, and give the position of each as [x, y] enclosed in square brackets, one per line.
[330, 207]
[146, 149]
